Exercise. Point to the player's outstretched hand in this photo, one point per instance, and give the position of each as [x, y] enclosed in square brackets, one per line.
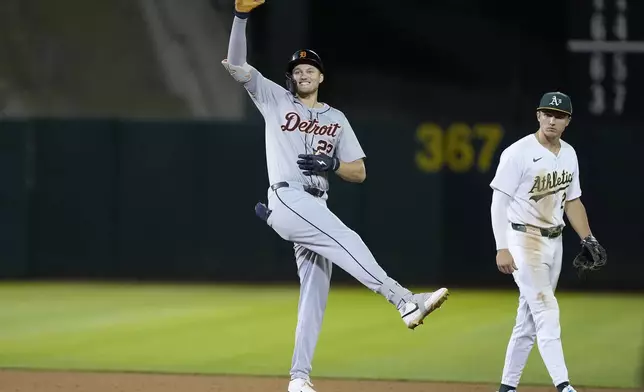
[316, 163]
[505, 262]
[243, 7]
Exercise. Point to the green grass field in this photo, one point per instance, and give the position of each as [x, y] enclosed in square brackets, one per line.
[243, 330]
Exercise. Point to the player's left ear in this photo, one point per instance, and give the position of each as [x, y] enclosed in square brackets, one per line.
[568, 120]
[321, 77]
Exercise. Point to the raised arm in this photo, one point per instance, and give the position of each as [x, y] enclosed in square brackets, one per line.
[237, 43]
[235, 63]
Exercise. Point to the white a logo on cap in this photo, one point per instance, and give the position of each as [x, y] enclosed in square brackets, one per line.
[555, 101]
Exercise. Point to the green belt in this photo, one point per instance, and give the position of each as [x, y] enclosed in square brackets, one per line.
[551, 232]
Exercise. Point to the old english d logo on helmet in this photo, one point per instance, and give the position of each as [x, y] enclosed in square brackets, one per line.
[305, 56]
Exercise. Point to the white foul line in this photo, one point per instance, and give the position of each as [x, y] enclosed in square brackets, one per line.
[587, 46]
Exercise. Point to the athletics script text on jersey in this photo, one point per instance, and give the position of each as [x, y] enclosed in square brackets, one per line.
[550, 184]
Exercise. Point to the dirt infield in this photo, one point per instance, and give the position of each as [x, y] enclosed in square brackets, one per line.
[41, 381]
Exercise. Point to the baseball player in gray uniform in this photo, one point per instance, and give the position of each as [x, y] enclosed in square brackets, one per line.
[307, 140]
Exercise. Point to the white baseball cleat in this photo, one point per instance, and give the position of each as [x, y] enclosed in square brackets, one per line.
[414, 312]
[569, 388]
[300, 385]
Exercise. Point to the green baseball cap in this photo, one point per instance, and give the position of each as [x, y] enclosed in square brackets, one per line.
[556, 101]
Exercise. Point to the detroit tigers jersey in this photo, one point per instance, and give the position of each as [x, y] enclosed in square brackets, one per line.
[292, 129]
[538, 181]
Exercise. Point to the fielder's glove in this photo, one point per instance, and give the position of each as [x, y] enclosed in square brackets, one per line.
[592, 256]
[244, 7]
[317, 163]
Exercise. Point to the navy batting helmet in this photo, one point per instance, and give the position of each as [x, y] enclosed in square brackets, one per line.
[302, 56]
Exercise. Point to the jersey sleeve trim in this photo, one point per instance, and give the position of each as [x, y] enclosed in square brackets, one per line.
[507, 161]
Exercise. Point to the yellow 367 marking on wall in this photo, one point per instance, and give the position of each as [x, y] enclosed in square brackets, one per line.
[460, 148]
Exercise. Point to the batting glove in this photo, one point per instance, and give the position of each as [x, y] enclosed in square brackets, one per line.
[317, 163]
[262, 211]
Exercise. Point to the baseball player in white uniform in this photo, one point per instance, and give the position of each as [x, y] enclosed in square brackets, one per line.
[536, 181]
[306, 140]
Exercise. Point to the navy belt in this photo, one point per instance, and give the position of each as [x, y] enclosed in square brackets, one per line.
[307, 188]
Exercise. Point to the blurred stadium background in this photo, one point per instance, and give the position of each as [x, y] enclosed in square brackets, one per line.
[130, 163]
